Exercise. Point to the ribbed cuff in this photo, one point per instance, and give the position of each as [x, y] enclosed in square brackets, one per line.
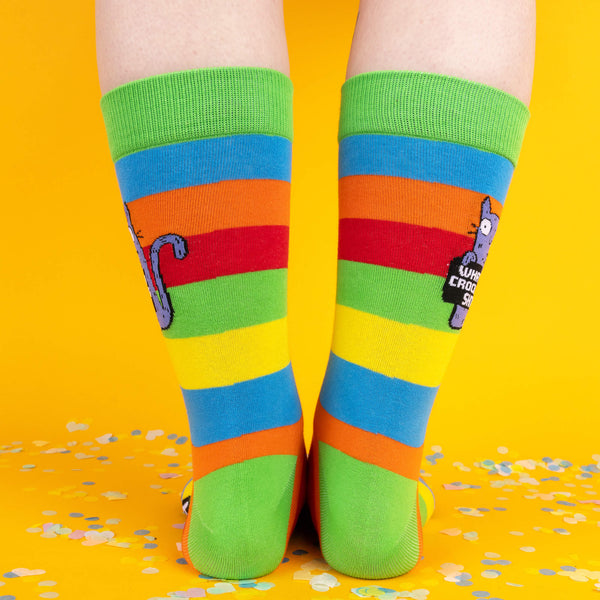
[436, 107]
[195, 104]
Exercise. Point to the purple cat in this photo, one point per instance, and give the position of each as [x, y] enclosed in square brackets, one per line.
[160, 296]
[465, 270]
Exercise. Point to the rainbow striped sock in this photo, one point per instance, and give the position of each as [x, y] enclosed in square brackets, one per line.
[203, 159]
[425, 165]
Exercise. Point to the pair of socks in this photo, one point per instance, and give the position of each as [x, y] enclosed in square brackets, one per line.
[203, 160]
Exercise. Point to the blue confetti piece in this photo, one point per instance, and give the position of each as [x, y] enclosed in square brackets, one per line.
[501, 508]
[181, 561]
[547, 572]
[172, 436]
[553, 478]
[136, 432]
[10, 575]
[546, 509]
[173, 465]
[484, 509]
[285, 559]
[203, 576]
[92, 518]
[480, 594]
[464, 583]
[88, 483]
[568, 568]
[103, 458]
[553, 468]
[151, 546]
[586, 475]
[95, 526]
[503, 562]
[9, 597]
[76, 515]
[141, 532]
[488, 561]
[299, 552]
[561, 531]
[565, 503]
[113, 438]
[181, 440]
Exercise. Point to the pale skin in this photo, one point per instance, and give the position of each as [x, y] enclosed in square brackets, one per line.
[488, 41]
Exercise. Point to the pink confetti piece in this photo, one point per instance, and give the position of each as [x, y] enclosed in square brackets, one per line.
[77, 534]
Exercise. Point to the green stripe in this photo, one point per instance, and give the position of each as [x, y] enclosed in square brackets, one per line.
[395, 294]
[195, 104]
[225, 303]
[436, 107]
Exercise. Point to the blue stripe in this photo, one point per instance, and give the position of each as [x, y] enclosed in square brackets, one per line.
[377, 403]
[203, 161]
[221, 413]
[426, 160]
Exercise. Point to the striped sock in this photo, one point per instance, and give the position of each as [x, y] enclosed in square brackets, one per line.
[425, 164]
[203, 159]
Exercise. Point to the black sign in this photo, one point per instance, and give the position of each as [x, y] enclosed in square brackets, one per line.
[461, 282]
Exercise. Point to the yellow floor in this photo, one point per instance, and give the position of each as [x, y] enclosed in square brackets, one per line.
[91, 514]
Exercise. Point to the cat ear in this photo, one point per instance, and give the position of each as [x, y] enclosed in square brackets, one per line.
[486, 207]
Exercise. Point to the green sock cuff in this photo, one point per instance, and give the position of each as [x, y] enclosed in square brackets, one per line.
[195, 104]
[436, 107]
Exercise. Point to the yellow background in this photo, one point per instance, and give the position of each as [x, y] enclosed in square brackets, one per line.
[79, 339]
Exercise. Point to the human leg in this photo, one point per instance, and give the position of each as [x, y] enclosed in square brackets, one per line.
[198, 109]
[432, 119]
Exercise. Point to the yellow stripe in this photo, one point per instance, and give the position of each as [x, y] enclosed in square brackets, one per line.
[410, 352]
[230, 357]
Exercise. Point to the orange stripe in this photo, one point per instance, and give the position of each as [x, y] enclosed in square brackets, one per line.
[279, 440]
[204, 208]
[368, 447]
[405, 200]
[313, 493]
[299, 493]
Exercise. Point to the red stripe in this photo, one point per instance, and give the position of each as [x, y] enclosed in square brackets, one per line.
[400, 245]
[225, 252]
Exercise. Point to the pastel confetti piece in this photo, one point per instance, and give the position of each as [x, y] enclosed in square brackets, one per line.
[264, 585]
[112, 495]
[47, 583]
[104, 439]
[453, 531]
[83, 455]
[316, 563]
[73, 426]
[154, 433]
[169, 452]
[150, 571]
[49, 595]
[527, 548]
[23, 572]
[326, 580]
[221, 587]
